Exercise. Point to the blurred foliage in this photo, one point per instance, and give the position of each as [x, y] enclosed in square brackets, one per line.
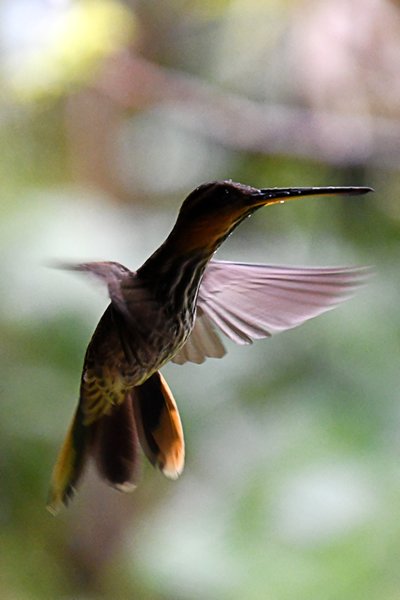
[292, 484]
[53, 45]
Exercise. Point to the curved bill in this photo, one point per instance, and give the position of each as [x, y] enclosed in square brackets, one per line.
[280, 195]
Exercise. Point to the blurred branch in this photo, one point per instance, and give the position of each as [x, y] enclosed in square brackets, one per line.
[136, 83]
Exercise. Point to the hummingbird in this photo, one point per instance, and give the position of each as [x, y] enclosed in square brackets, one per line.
[173, 308]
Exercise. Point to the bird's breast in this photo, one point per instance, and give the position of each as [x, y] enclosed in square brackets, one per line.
[148, 349]
[158, 316]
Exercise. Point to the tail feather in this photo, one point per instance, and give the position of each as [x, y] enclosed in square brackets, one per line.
[149, 415]
[69, 466]
[115, 447]
[159, 425]
[113, 443]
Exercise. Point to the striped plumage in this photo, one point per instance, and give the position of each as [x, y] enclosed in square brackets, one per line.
[168, 310]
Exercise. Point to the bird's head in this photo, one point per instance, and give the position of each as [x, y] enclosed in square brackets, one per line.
[213, 210]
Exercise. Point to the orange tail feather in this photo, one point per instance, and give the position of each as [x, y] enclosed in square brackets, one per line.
[69, 465]
[159, 425]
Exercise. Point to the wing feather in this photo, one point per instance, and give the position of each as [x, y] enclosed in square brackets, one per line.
[253, 301]
[204, 341]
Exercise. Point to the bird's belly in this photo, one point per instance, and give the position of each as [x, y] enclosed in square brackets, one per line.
[119, 359]
[156, 349]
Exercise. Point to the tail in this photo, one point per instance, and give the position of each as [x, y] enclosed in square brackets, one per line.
[69, 465]
[149, 414]
[116, 448]
[113, 443]
[159, 425]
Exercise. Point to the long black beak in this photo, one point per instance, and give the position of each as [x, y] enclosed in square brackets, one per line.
[280, 195]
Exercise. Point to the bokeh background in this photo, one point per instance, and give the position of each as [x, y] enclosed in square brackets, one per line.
[111, 112]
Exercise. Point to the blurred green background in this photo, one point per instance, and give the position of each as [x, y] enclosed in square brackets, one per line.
[110, 114]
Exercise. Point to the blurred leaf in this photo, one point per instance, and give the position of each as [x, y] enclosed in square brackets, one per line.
[66, 44]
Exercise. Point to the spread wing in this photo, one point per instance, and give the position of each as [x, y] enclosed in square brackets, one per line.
[252, 301]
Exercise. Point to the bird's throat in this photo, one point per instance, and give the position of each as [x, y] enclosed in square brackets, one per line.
[204, 236]
[175, 276]
[176, 268]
